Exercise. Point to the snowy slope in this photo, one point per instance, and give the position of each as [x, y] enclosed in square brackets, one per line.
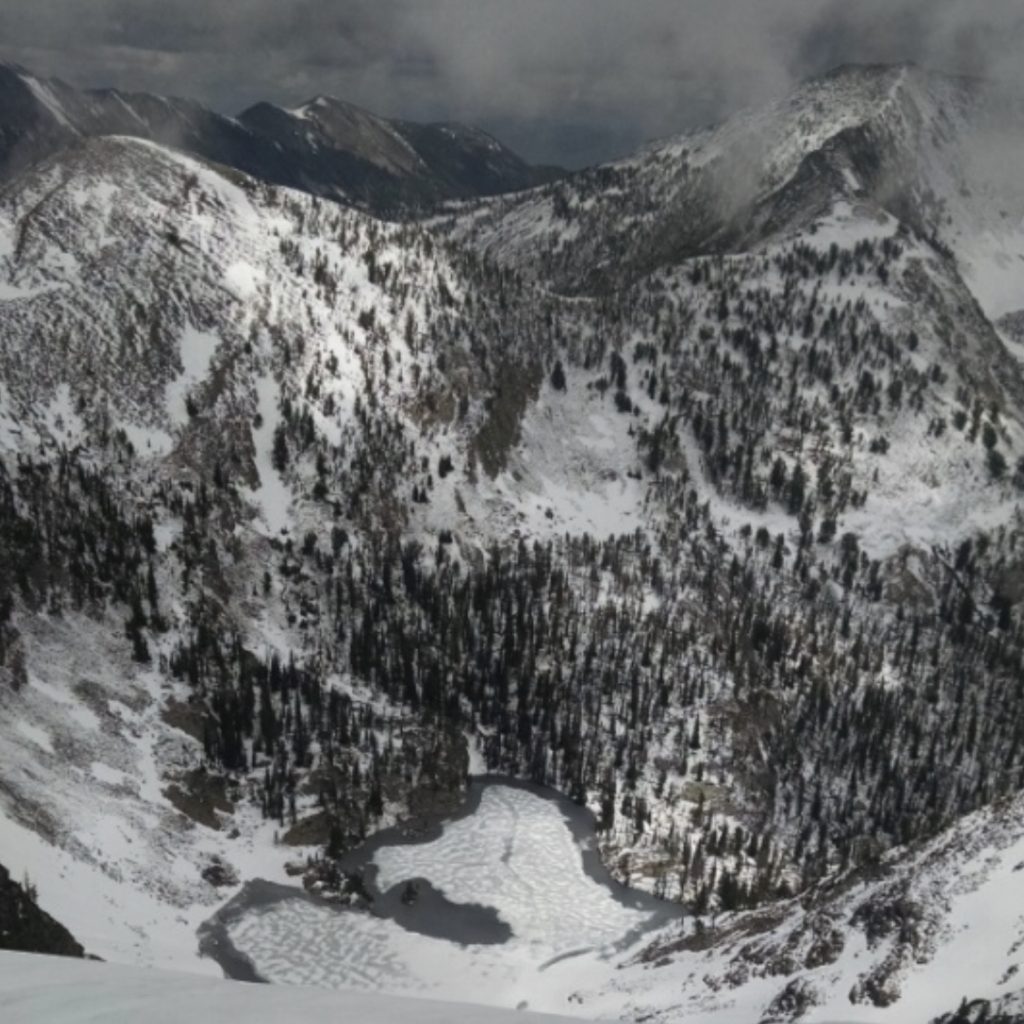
[156, 274]
[234, 271]
[87, 757]
[49, 990]
[904, 941]
[159, 312]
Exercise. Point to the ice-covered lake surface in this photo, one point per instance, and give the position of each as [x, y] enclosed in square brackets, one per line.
[518, 865]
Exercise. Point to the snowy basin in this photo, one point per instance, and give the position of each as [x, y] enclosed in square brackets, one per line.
[517, 864]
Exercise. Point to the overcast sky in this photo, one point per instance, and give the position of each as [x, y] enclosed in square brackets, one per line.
[569, 81]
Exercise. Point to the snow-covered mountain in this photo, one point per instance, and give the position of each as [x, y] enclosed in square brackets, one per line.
[431, 162]
[688, 486]
[326, 147]
[937, 152]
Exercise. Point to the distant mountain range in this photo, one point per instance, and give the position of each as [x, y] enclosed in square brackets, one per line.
[326, 147]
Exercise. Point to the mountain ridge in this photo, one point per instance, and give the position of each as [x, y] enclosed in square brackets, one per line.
[887, 134]
[44, 114]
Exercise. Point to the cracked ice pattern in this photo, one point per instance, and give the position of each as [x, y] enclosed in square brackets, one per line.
[299, 943]
[516, 854]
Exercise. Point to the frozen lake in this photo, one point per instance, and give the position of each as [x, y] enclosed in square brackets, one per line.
[515, 908]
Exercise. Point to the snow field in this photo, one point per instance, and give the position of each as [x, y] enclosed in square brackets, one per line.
[516, 854]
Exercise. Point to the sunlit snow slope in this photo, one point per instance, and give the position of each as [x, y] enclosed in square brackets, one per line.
[50, 990]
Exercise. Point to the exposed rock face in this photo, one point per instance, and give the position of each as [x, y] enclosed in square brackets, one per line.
[793, 1002]
[220, 873]
[1007, 1010]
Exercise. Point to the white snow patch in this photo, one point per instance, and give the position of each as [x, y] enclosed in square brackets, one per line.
[63, 421]
[197, 351]
[111, 776]
[516, 852]
[40, 737]
[243, 279]
[274, 495]
[148, 440]
[994, 270]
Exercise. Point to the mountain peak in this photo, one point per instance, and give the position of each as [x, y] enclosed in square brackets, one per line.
[889, 134]
[324, 102]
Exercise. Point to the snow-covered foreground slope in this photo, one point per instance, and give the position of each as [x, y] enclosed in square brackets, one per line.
[87, 820]
[51, 990]
[904, 942]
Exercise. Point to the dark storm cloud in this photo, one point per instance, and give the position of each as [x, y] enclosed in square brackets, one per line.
[976, 38]
[569, 80]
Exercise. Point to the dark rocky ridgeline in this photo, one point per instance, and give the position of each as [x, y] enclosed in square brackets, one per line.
[336, 149]
[1008, 1010]
[27, 929]
[328, 148]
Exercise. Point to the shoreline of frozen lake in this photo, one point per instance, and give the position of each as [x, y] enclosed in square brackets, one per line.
[508, 887]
